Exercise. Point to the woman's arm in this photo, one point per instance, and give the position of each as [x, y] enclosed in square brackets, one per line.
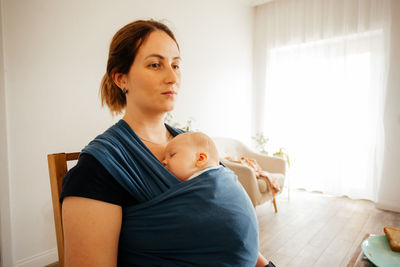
[91, 232]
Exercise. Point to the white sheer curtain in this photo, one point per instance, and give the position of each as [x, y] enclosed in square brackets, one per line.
[321, 73]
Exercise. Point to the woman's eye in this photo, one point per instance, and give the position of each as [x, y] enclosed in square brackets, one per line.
[176, 67]
[154, 65]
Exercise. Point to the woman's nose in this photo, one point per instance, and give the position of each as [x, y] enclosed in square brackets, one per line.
[172, 75]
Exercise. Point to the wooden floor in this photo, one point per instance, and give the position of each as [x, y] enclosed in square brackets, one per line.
[313, 229]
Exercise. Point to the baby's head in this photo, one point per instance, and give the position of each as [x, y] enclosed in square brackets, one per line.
[189, 153]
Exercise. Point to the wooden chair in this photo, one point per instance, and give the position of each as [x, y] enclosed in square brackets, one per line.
[57, 171]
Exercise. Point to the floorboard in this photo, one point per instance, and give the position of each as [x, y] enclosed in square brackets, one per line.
[314, 229]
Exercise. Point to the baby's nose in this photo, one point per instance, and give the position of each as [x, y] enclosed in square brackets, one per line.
[164, 162]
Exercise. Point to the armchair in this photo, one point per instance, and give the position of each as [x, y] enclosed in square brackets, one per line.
[255, 188]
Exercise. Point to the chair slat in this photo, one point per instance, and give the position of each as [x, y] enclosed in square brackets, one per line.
[72, 156]
[57, 171]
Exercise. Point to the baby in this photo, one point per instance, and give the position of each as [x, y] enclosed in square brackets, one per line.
[190, 154]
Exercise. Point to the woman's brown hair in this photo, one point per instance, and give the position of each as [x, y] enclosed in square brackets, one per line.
[123, 49]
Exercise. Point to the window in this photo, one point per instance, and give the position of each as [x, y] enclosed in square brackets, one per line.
[322, 103]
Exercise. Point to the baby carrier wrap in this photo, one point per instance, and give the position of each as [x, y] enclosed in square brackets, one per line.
[206, 221]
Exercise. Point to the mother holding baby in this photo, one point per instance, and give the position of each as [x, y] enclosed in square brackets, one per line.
[120, 205]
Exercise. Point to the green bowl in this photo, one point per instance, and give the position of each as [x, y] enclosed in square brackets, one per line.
[377, 249]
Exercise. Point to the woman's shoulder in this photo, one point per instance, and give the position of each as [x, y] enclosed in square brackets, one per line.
[88, 178]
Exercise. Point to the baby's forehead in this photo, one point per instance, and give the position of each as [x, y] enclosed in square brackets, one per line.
[185, 139]
[182, 138]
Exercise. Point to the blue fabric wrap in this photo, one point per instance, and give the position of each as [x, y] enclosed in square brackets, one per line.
[206, 221]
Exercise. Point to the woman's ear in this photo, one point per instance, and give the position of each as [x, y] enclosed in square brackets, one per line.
[119, 79]
[202, 160]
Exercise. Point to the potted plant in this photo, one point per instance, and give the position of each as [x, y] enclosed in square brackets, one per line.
[188, 127]
[282, 154]
[262, 141]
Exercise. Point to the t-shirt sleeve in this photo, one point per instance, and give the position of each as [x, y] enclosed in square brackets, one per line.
[89, 179]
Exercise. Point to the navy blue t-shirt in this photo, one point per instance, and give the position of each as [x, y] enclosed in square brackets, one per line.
[89, 179]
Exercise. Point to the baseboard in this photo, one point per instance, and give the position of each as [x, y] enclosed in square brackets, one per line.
[39, 260]
[388, 205]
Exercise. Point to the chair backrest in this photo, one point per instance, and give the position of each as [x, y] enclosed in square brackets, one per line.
[57, 170]
[230, 147]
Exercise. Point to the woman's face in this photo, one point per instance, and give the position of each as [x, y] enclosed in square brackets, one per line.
[154, 77]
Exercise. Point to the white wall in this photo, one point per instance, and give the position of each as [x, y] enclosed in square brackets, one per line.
[389, 197]
[5, 218]
[55, 56]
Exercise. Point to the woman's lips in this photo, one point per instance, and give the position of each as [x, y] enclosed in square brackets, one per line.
[169, 93]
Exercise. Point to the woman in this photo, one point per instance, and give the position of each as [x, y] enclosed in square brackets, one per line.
[118, 177]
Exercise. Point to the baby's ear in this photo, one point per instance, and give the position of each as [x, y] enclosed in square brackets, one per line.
[202, 159]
